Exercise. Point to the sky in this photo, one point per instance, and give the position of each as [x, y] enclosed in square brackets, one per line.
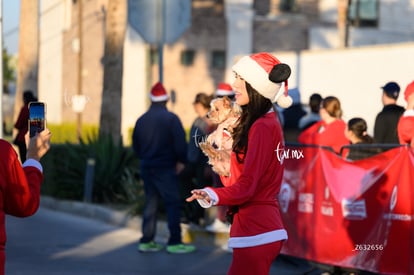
[11, 12]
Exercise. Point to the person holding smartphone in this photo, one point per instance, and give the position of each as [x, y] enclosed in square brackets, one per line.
[21, 124]
[20, 183]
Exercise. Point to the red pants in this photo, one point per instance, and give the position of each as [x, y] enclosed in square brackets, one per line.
[254, 260]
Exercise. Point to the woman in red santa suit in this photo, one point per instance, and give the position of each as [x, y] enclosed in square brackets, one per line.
[20, 184]
[330, 130]
[257, 230]
[406, 123]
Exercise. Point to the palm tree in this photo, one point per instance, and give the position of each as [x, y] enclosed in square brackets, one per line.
[110, 119]
[27, 64]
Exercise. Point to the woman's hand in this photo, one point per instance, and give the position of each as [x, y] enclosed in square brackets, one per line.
[199, 194]
[38, 145]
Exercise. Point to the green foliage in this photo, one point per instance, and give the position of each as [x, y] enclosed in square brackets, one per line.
[187, 134]
[129, 138]
[67, 132]
[9, 74]
[116, 172]
[116, 168]
[62, 179]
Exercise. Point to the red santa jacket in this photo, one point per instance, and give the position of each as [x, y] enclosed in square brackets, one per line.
[235, 171]
[19, 187]
[405, 128]
[258, 220]
[323, 134]
[21, 124]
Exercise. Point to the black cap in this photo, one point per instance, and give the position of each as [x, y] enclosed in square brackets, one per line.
[392, 89]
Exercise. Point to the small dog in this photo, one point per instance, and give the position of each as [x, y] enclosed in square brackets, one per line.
[218, 145]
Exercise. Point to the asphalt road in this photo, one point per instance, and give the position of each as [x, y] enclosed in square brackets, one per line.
[54, 242]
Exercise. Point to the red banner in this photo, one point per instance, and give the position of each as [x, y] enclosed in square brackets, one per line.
[350, 214]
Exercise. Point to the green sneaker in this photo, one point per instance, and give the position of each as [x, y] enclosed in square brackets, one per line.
[150, 247]
[180, 248]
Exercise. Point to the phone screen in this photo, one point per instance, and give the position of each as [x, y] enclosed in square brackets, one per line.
[36, 117]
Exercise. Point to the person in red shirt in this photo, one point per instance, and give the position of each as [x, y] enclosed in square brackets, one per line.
[329, 131]
[22, 124]
[20, 184]
[257, 231]
[405, 126]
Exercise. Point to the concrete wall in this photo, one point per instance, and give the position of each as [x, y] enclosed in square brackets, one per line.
[357, 72]
[397, 16]
[58, 65]
[134, 90]
[239, 15]
[396, 25]
[50, 57]
[92, 50]
[393, 15]
[353, 75]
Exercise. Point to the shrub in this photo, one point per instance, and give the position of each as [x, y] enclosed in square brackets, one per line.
[116, 171]
[57, 168]
[67, 132]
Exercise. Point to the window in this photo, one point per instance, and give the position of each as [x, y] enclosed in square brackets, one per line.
[218, 60]
[287, 5]
[187, 57]
[363, 13]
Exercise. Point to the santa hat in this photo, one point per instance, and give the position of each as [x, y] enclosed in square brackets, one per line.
[158, 93]
[224, 89]
[266, 74]
[409, 90]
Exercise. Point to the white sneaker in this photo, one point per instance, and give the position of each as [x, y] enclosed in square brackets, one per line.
[218, 226]
[226, 248]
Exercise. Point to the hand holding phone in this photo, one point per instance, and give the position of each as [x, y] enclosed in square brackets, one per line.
[38, 145]
[37, 117]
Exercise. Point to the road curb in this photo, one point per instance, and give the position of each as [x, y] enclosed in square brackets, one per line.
[190, 234]
[89, 210]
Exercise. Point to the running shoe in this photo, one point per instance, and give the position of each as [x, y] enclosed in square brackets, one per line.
[180, 248]
[150, 247]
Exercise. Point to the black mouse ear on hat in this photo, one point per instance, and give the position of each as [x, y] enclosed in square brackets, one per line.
[279, 73]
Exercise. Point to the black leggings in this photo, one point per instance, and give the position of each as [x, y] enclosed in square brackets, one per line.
[22, 150]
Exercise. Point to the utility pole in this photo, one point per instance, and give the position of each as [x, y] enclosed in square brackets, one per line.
[347, 24]
[342, 23]
[161, 34]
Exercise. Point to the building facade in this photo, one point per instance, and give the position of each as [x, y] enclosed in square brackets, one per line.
[220, 31]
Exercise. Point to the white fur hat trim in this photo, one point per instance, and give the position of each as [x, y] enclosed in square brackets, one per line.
[257, 77]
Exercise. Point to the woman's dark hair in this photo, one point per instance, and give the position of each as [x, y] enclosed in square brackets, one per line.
[257, 107]
[315, 102]
[359, 127]
[28, 96]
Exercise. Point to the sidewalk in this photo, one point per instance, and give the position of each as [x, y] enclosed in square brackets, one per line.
[120, 218]
[90, 210]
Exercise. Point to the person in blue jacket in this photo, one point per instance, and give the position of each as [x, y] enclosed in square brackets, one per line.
[159, 142]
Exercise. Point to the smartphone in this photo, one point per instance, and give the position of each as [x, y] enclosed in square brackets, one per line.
[37, 117]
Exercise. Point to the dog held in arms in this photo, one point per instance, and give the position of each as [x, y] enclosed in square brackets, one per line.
[218, 145]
